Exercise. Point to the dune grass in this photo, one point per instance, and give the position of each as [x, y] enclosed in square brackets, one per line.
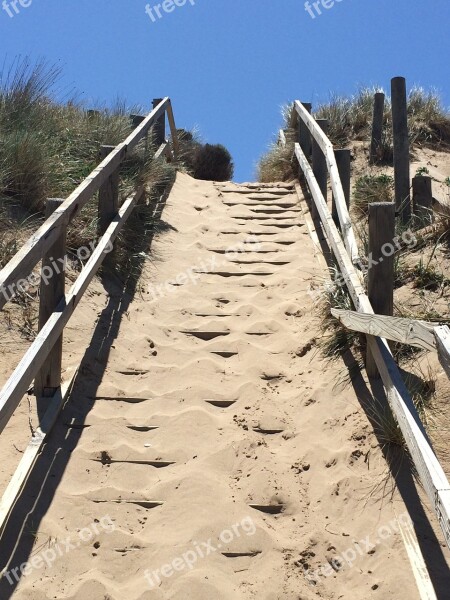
[371, 188]
[350, 119]
[47, 148]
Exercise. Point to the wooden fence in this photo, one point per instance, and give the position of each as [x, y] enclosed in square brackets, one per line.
[343, 244]
[42, 361]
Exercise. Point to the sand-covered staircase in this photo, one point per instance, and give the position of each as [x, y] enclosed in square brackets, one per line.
[221, 457]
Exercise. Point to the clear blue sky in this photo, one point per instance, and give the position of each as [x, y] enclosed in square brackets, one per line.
[228, 65]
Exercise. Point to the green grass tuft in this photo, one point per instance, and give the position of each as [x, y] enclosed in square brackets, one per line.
[371, 188]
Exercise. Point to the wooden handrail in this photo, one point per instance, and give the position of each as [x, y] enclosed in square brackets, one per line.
[336, 185]
[26, 370]
[60, 311]
[420, 334]
[428, 467]
[32, 251]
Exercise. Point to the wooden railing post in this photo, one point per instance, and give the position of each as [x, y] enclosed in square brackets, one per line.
[159, 128]
[304, 135]
[319, 165]
[108, 201]
[423, 199]
[173, 130]
[401, 148]
[108, 195]
[136, 120]
[380, 282]
[377, 127]
[52, 289]
[343, 160]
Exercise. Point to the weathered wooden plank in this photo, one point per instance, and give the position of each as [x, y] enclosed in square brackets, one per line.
[430, 471]
[343, 161]
[162, 150]
[108, 195]
[20, 477]
[319, 165]
[18, 383]
[304, 136]
[341, 206]
[419, 334]
[377, 126]
[422, 186]
[381, 269]
[431, 474]
[442, 335]
[356, 289]
[159, 127]
[401, 148]
[52, 290]
[173, 129]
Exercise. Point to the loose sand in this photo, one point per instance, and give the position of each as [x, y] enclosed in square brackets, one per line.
[202, 396]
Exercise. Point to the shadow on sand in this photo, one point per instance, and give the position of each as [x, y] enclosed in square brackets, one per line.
[18, 540]
[401, 469]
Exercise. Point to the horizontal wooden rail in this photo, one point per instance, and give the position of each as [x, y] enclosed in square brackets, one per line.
[26, 370]
[32, 451]
[428, 467]
[356, 289]
[442, 335]
[336, 184]
[164, 150]
[21, 265]
[420, 334]
[59, 306]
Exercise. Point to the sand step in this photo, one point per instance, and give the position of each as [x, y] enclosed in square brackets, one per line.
[256, 219]
[206, 335]
[235, 274]
[258, 185]
[256, 234]
[250, 554]
[256, 192]
[221, 315]
[267, 431]
[147, 504]
[224, 353]
[250, 251]
[268, 509]
[259, 205]
[275, 211]
[221, 403]
[265, 197]
[142, 428]
[126, 399]
[106, 459]
[279, 263]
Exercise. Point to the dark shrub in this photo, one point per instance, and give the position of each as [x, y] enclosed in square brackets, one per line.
[213, 163]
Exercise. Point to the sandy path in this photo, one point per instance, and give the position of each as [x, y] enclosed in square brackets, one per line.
[214, 399]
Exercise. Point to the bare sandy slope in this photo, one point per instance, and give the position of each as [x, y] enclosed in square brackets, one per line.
[214, 398]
